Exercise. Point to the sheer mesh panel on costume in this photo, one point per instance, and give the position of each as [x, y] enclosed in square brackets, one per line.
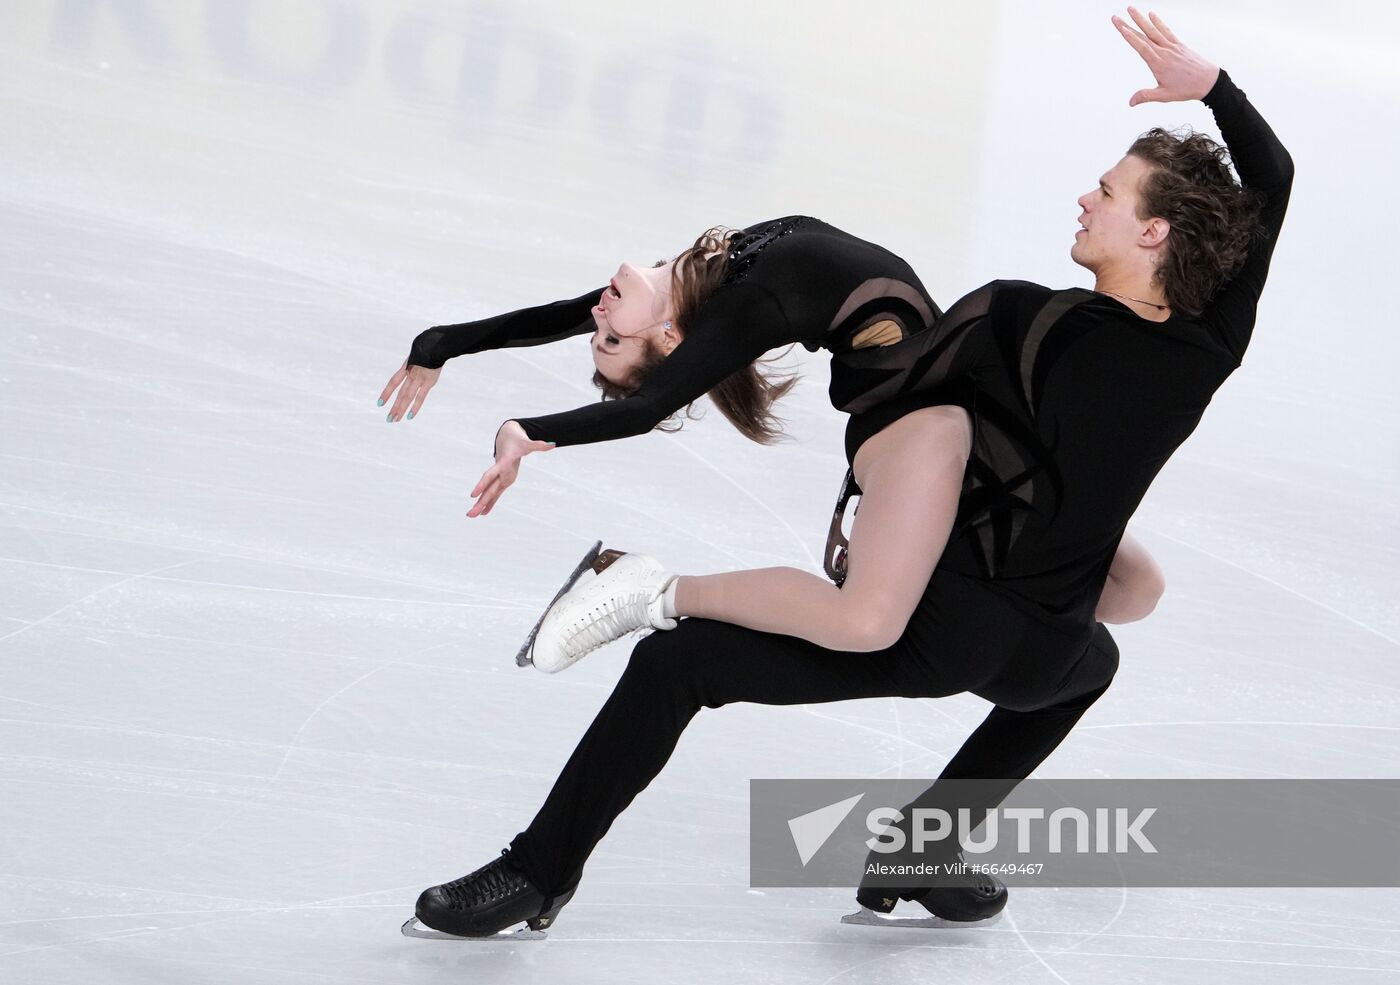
[882, 311]
[1011, 475]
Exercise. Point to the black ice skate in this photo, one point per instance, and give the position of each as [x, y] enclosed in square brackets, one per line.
[523, 659]
[484, 904]
[976, 902]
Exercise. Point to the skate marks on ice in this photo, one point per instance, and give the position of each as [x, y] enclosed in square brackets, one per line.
[1252, 571]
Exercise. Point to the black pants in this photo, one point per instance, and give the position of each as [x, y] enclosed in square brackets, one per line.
[962, 637]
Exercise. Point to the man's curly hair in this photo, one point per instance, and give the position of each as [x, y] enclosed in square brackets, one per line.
[1213, 219]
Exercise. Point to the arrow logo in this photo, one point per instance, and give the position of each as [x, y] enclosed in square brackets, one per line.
[810, 831]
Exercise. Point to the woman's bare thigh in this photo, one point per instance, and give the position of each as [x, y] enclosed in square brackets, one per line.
[910, 475]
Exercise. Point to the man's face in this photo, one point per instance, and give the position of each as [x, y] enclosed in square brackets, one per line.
[1112, 228]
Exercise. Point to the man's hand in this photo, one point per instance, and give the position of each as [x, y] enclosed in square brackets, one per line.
[1134, 585]
[1181, 74]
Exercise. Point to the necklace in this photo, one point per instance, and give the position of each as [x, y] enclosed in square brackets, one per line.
[1150, 304]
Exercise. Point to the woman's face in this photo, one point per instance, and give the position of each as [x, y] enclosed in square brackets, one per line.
[631, 317]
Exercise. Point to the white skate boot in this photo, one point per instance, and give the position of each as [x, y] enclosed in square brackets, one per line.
[623, 594]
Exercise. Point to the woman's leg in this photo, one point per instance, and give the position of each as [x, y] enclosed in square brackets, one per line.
[911, 475]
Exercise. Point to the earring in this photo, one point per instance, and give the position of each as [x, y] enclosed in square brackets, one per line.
[666, 324]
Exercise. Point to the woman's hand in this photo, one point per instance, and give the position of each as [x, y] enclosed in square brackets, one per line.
[512, 444]
[413, 384]
[1181, 74]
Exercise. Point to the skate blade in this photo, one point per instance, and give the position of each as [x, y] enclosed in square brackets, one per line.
[413, 927]
[524, 657]
[866, 917]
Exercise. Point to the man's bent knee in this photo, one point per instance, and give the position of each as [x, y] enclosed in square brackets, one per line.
[672, 654]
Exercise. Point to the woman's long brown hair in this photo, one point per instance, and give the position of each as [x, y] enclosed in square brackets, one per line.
[746, 397]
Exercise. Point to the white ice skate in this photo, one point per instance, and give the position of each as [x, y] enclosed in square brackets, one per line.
[623, 594]
[522, 658]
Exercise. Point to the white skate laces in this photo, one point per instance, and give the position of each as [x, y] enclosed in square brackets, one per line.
[605, 623]
[627, 596]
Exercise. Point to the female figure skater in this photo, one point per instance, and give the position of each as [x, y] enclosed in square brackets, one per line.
[1064, 405]
[665, 335]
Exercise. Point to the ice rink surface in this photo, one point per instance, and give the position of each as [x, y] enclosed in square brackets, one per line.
[256, 679]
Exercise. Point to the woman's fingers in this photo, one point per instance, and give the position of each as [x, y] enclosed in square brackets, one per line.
[411, 396]
[476, 508]
[401, 381]
[488, 498]
[406, 395]
[486, 480]
[481, 498]
[415, 382]
[496, 493]
[393, 383]
[511, 447]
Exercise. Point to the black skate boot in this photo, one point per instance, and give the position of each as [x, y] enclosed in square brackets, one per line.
[974, 899]
[481, 905]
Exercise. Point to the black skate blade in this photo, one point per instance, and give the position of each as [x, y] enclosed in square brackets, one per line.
[524, 657]
[866, 917]
[413, 927]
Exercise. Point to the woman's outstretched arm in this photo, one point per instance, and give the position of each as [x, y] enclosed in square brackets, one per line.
[537, 325]
[737, 325]
[434, 346]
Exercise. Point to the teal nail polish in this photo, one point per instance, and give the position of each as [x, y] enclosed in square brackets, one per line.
[390, 418]
[410, 415]
[380, 402]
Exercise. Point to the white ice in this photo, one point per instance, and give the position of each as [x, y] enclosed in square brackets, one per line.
[256, 686]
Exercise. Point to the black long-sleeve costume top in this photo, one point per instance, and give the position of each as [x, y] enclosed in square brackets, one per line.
[794, 279]
[1076, 401]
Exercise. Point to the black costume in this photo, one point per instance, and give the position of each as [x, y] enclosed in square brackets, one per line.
[789, 280]
[1076, 404]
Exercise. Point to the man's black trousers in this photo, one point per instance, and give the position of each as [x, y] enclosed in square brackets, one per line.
[962, 637]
